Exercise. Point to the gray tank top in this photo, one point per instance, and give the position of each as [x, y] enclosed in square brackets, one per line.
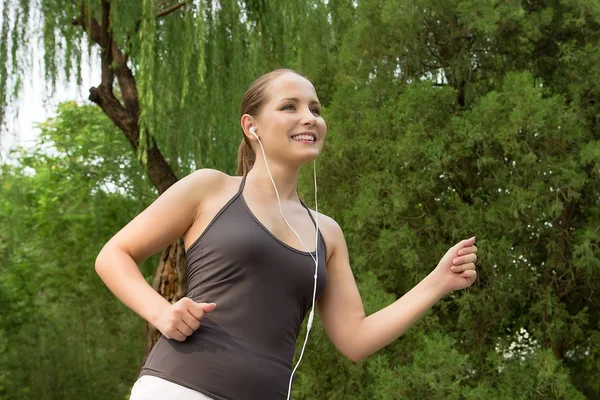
[263, 290]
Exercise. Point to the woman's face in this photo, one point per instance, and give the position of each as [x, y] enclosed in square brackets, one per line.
[292, 108]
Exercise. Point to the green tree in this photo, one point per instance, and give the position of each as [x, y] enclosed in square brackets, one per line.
[62, 333]
[472, 117]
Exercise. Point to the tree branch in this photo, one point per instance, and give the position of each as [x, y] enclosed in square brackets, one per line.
[171, 9]
[110, 52]
[159, 171]
[126, 81]
[107, 53]
[90, 26]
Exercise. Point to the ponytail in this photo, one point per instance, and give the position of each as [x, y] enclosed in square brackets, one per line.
[246, 158]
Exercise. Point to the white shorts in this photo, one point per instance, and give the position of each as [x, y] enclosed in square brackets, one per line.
[149, 387]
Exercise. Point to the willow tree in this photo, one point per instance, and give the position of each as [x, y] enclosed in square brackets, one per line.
[172, 76]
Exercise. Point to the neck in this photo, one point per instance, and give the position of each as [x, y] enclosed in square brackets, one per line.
[284, 176]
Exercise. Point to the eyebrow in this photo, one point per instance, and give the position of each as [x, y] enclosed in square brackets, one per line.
[296, 99]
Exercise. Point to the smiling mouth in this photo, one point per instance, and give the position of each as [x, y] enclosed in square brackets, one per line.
[304, 138]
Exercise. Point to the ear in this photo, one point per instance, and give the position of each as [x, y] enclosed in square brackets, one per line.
[247, 122]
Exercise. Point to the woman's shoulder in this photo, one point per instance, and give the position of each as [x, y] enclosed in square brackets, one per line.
[208, 175]
[210, 185]
[210, 181]
[330, 230]
[205, 183]
[324, 220]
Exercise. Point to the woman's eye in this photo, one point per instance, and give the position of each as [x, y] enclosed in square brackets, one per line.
[314, 110]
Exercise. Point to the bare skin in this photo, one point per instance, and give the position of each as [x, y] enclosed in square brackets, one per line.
[189, 206]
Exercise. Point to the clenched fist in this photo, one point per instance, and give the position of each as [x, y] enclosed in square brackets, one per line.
[178, 321]
[456, 270]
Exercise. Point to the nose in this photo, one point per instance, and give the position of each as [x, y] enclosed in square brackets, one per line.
[308, 118]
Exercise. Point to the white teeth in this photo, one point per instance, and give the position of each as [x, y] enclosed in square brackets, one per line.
[303, 137]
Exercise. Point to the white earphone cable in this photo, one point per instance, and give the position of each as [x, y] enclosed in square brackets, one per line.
[315, 259]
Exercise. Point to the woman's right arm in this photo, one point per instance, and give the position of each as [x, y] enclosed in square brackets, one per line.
[162, 223]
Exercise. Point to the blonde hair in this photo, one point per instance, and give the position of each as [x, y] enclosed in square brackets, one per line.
[252, 102]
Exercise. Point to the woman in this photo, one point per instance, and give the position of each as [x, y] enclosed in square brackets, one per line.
[251, 275]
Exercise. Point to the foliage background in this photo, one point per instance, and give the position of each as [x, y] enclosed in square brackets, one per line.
[445, 119]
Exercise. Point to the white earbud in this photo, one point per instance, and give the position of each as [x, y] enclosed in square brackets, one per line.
[253, 131]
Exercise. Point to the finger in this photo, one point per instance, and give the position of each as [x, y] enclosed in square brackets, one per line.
[467, 242]
[469, 274]
[180, 337]
[176, 335]
[208, 307]
[463, 267]
[467, 250]
[465, 259]
[196, 309]
[190, 321]
[199, 310]
[184, 329]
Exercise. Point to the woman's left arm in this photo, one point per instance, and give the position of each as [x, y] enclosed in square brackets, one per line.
[341, 310]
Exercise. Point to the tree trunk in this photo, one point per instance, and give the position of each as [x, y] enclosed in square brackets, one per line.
[170, 278]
